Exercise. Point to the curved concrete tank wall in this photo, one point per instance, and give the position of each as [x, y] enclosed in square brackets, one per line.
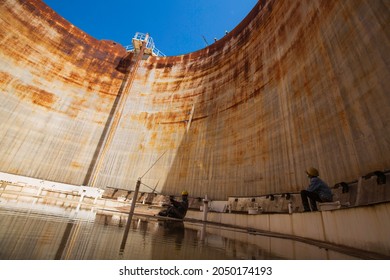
[295, 84]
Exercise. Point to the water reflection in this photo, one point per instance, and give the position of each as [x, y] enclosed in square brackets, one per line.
[173, 230]
[31, 234]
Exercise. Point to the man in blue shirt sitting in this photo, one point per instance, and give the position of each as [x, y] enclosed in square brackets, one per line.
[318, 190]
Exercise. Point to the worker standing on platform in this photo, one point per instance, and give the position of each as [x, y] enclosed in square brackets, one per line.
[177, 209]
[318, 190]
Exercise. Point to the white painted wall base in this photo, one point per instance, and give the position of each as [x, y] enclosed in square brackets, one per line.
[365, 228]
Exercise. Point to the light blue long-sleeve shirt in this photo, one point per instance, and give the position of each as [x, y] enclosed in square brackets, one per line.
[321, 188]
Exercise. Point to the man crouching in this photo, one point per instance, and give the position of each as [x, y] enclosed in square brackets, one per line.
[318, 190]
[177, 209]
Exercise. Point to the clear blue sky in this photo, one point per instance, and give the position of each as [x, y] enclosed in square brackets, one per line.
[176, 26]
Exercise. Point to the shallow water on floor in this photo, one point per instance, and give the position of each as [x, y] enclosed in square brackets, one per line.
[49, 232]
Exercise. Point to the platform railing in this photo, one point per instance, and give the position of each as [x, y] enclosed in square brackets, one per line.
[149, 44]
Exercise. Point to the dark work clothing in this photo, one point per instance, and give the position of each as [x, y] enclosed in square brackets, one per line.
[321, 188]
[319, 191]
[178, 209]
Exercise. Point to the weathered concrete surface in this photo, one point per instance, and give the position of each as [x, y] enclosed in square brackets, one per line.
[296, 84]
[57, 87]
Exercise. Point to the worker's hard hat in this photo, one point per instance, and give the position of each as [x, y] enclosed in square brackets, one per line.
[312, 172]
[184, 193]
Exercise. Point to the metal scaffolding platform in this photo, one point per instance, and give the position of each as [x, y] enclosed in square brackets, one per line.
[137, 41]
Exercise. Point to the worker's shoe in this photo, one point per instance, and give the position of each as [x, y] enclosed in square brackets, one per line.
[163, 213]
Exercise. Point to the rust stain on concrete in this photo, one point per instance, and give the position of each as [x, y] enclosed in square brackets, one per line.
[261, 102]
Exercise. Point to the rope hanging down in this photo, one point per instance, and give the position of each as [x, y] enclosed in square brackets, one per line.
[152, 165]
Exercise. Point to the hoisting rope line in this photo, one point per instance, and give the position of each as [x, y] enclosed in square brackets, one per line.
[153, 189]
[153, 165]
